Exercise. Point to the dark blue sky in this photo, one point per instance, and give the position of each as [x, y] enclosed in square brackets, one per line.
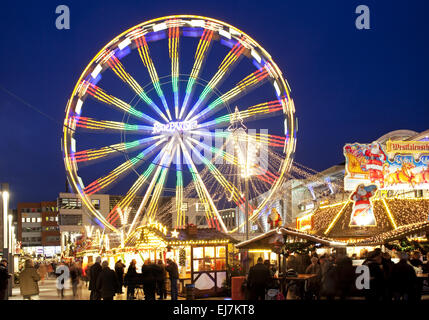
[348, 85]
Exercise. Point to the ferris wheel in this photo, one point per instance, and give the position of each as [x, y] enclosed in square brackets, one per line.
[196, 106]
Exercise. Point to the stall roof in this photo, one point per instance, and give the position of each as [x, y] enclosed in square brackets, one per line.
[265, 240]
[396, 234]
[202, 234]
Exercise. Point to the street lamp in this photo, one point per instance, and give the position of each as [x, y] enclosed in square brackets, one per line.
[10, 233]
[5, 196]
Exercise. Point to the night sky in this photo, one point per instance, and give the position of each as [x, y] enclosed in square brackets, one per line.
[348, 85]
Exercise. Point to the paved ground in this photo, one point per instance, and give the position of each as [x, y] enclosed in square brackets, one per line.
[48, 291]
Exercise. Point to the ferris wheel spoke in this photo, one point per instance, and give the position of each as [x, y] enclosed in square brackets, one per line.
[229, 187]
[165, 156]
[101, 95]
[245, 85]
[93, 154]
[180, 219]
[200, 55]
[108, 126]
[199, 182]
[230, 59]
[118, 172]
[173, 50]
[119, 70]
[256, 112]
[144, 53]
[153, 204]
[131, 194]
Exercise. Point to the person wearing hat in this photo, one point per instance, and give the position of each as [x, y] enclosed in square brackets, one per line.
[4, 279]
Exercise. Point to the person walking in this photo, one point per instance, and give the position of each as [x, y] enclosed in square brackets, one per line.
[61, 283]
[28, 280]
[107, 282]
[173, 274]
[4, 279]
[130, 280]
[161, 276]
[119, 269]
[258, 278]
[75, 275]
[94, 272]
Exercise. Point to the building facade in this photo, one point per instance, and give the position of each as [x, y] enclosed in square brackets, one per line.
[38, 229]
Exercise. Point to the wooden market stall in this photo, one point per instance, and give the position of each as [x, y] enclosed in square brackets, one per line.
[200, 253]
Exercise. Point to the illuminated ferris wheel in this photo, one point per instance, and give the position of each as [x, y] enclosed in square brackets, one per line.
[196, 106]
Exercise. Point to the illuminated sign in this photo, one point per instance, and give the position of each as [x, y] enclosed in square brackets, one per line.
[305, 223]
[393, 169]
[416, 148]
[363, 211]
[174, 126]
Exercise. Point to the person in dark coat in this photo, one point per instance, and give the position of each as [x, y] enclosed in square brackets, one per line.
[403, 279]
[131, 279]
[94, 272]
[376, 282]
[258, 278]
[346, 276]
[417, 263]
[388, 265]
[149, 280]
[119, 269]
[173, 273]
[161, 276]
[4, 279]
[107, 282]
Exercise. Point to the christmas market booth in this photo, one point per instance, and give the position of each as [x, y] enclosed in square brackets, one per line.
[200, 253]
[275, 245]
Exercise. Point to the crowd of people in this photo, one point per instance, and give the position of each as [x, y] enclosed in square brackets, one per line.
[335, 277]
[102, 282]
[105, 283]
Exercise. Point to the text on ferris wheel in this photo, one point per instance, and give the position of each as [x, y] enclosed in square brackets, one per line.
[174, 126]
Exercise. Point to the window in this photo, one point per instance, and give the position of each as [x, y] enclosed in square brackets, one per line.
[33, 220]
[200, 220]
[209, 258]
[200, 207]
[96, 203]
[52, 219]
[69, 203]
[28, 220]
[23, 219]
[184, 206]
[56, 219]
[39, 219]
[70, 220]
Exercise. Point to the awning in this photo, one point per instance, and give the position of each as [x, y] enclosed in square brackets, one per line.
[269, 239]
